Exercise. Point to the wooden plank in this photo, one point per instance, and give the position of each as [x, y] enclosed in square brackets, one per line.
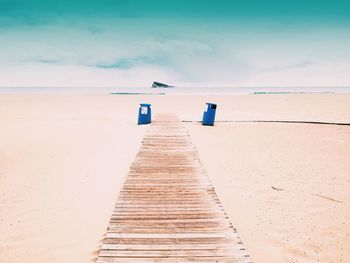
[164, 246]
[173, 226]
[174, 253]
[173, 221]
[168, 210]
[172, 260]
[176, 241]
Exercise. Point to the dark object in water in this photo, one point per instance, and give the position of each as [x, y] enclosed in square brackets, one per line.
[160, 85]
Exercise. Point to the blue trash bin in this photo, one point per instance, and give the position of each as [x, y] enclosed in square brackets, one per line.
[209, 114]
[145, 114]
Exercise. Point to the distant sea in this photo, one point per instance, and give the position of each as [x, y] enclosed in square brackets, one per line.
[176, 90]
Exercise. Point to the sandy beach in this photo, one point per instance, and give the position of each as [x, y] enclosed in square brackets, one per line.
[285, 186]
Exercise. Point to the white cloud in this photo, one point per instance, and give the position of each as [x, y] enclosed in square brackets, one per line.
[61, 56]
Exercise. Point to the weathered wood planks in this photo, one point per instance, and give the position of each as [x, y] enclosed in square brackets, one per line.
[168, 210]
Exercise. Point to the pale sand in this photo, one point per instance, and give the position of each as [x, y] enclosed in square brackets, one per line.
[63, 159]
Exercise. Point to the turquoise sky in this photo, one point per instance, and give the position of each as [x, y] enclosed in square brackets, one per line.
[188, 43]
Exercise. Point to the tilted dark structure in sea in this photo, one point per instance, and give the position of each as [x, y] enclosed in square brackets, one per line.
[160, 85]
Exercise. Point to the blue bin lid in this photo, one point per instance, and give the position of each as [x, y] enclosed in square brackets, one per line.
[145, 104]
[208, 103]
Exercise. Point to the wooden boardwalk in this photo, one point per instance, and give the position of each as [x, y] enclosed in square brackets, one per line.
[167, 210]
